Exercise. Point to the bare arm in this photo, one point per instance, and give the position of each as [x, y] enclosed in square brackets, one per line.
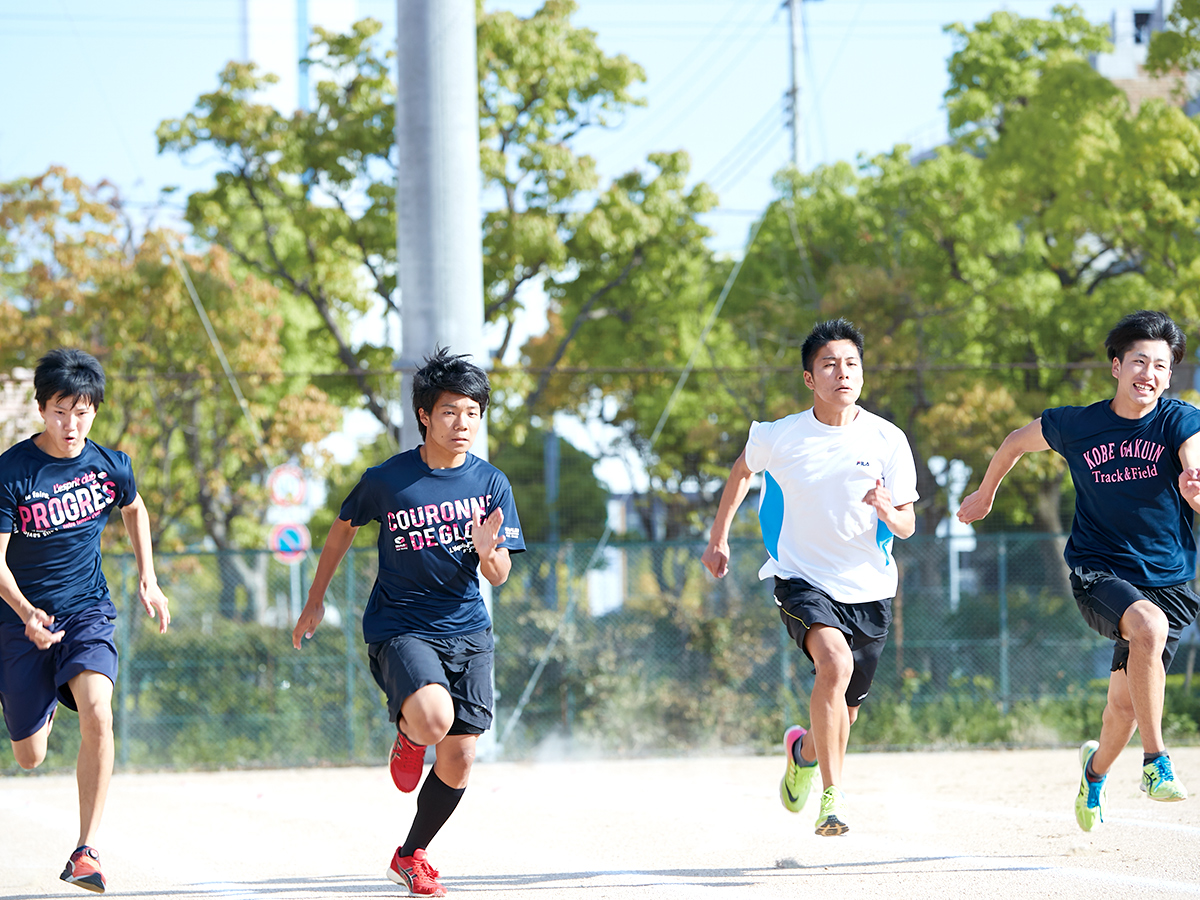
[341, 536]
[1028, 439]
[137, 524]
[1189, 478]
[495, 561]
[716, 554]
[37, 621]
[901, 520]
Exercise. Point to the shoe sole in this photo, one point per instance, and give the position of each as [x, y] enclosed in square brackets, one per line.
[403, 882]
[86, 884]
[1175, 799]
[832, 827]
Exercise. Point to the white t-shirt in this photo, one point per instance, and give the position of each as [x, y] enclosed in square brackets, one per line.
[814, 522]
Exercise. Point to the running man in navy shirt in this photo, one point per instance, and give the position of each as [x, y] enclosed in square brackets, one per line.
[1135, 462]
[444, 516]
[57, 490]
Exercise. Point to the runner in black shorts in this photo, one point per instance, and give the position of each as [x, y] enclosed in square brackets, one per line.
[839, 484]
[57, 490]
[864, 625]
[444, 516]
[1135, 463]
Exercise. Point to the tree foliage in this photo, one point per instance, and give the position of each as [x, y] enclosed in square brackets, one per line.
[985, 274]
[77, 275]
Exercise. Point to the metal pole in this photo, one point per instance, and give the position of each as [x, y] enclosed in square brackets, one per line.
[351, 645]
[1002, 562]
[128, 602]
[797, 43]
[437, 188]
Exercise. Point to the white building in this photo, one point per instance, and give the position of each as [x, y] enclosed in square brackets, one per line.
[275, 36]
[1131, 26]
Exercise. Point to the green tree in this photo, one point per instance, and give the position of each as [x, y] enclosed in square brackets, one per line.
[78, 276]
[986, 274]
[308, 202]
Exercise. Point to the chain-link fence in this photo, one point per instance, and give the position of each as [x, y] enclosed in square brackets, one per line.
[642, 652]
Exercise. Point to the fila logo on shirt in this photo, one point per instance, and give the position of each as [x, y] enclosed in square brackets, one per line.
[863, 463]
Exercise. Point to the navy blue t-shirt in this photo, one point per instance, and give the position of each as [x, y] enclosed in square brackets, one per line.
[428, 582]
[56, 509]
[1130, 519]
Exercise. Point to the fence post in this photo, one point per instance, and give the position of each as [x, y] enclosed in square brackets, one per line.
[348, 631]
[1003, 592]
[126, 619]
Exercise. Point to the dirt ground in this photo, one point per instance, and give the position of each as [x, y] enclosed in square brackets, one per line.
[955, 824]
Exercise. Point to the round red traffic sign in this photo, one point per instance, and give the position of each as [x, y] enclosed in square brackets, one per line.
[289, 541]
[287, 485]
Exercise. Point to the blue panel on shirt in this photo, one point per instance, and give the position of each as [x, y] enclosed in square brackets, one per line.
[428, 582]
[883, 538]
[770, 514]
[55, 510]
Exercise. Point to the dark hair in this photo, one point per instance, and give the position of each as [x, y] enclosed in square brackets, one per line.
[69, 373]
[1145, 325]
[823, 333]
[445, 371]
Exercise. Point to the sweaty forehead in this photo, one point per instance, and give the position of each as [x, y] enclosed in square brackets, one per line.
[1155, 351]
[450, 399]
[71, 401]
[838, 350]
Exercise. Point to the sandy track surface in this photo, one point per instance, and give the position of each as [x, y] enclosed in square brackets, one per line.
[976, 824]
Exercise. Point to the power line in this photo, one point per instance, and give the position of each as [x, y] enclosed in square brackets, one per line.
[750, 140]
[695, 63]
[763, 149]
[703, 90]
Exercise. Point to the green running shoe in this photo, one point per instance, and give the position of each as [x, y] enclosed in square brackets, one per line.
[1089, 804]
[832, 820]
[1159, 781]
[797, 779]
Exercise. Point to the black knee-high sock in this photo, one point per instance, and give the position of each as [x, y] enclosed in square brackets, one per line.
[435, 804]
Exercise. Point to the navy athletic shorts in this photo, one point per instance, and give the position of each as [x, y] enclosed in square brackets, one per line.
[1104, 598]
[462, 665]
[865, 625]
[33, 681]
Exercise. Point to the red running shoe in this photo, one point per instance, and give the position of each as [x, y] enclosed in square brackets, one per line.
[405, 763]
[83, 869]
[416, 874]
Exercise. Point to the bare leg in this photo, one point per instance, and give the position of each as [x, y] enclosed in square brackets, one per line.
[427, 714]
[455, 756]
[831, 718]
[1119, 723]
[93, 771]
[31, 752]
[1145, 626]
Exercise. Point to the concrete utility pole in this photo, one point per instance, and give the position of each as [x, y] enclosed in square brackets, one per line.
[302, 99]
[797, 45]
[437, 192]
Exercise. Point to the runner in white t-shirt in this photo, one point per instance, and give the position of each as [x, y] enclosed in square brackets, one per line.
[839, 484]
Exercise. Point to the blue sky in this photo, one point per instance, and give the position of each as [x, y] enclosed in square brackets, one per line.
[88, 81]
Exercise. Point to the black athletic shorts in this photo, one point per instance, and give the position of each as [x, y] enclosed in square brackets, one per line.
[462, 665]
[865, 625]
[1104, 598]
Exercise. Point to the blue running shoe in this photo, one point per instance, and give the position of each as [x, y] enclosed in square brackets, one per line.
[1089, 803]
[1159, 781]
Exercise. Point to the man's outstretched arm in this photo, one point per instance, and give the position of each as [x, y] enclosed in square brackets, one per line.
[1028, 439]
[341, 536]
[716, 554]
